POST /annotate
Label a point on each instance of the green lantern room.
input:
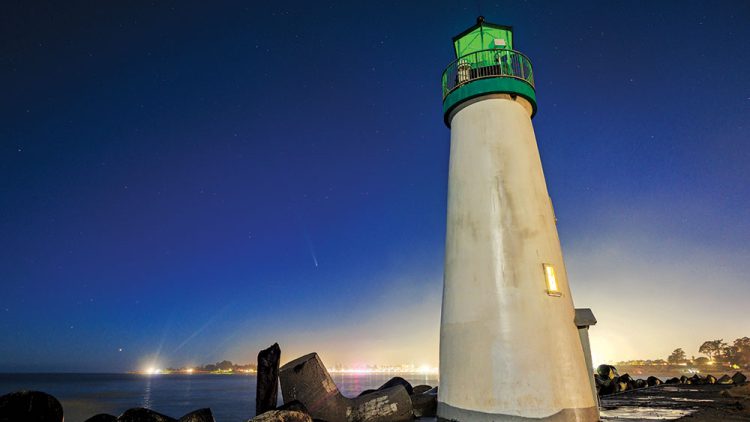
(486, 63)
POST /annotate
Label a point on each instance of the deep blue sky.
(191, 182)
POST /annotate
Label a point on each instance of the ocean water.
(230, 397)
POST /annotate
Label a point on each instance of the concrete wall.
(506, 346)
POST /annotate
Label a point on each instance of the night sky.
(185, 182)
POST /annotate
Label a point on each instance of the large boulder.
(398, 381)
(141, 414)
(627, 383)
(419, 389)
(294, 405)
(710, 379)
(606, 372)
(200, 415)
(652, 381)
(30, 406)
(724, 379)
(607, 386)
(739, 378)
(282, 416)
(424, 405)
(672, 380)
(306, 379)
(267, 389)
(102, 417)
(607, 380)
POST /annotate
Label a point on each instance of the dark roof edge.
(483, 23)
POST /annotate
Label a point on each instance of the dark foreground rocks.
(306, 380)
(200, 415)
(140, 414)
(30, 406)
(36, 406)
(609, 382)
(102, 417)
(282, 416)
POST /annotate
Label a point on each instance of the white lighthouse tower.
(509, 346)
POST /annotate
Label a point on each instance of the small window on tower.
(499, 42)
(549, 276)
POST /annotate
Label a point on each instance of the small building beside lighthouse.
(509, 345)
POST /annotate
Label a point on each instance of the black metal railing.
(491, 63)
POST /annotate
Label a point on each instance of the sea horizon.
(230, 397)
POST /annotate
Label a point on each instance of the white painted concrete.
(506, 346)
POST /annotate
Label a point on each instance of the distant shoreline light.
(368, 369)
(403, 369)
(191, 371)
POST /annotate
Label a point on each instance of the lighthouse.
(509, 344)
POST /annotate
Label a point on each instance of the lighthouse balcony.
(481, 72)
(491, 63)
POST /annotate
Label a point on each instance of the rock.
(368, 391)
(200, 415)
(419, 389)
(684, 380)
(672, 380)
(30, 406)
(607, 380)
(305, 379)
(433, 390)
(725, 379)
(710, 379)
(294, 405)
(640, 383)
(267, 390)
(603, 387)
(739, 378)
(424, 405)
(102, 417)
(696, 380)
(652, 381)
(627, 382)
(607, 386)
(282, 416)
(606, 371)
(140, 414)
(398, 381)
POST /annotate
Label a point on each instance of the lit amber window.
(553, 289)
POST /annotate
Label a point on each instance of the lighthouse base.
(447, 413)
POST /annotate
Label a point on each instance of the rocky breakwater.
(309, 393)
(37, 406)
(609, 381)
